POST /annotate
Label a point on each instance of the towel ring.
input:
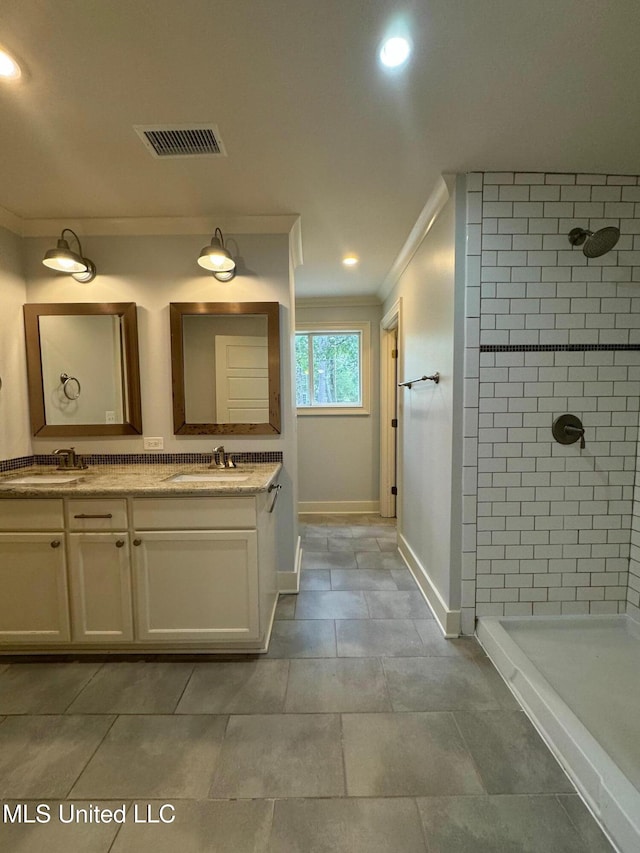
(68, 392)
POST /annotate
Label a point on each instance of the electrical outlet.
(153, 443)
(110, 417)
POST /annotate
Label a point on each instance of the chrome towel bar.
(435, 378)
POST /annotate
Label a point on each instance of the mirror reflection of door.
(242, 379)
(226, 368)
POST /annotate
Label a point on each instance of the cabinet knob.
(55, 543)
(120, 543)
(137, 542)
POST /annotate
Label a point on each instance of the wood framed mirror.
(225, 363)
(83, 368)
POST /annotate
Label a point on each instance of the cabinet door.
(100, 580)
(196, 585)
(33, 588)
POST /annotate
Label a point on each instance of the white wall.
(14, 413)
(154, 271)
(429, 476)
(339, 455)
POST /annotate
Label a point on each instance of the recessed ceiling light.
(9, 68)
(350, 260)
(395, 52)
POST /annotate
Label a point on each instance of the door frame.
(390, 439)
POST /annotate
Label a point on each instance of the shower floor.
(579, 680)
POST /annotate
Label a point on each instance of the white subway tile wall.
(548, 527)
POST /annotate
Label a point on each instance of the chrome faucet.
(69, 460)
(220, 459)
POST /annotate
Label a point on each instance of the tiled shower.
(548, 528)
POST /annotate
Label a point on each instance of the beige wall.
(339, 455)
(428, 481)
(14, 414)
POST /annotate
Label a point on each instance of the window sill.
(333, 410)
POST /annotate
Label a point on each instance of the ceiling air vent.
(185, 140)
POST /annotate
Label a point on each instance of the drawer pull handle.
(87, 515)
(120, 543)
(55, 543)
(137, 542)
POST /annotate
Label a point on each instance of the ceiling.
(312, 125)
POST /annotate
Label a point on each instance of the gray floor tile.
(286, 606)
(346, 826)
(380, 560)
(510, 755)
(522, 824)
(593, 837)
(139, 687)
(328, 560)
(42, 688)
(154, 756)
(315, 579)
(238, 687)
(439, 684)
(311, 531)
(388, 544)
(374, 531)
(401, 604)
(213, 826)
(406, 755)
(57, 836)
(313, 638)
(362, 579)
(338, 684)
(359, 544)
(289, 755)
(436, 645)
(314, 543)
(378, 638)
(403, 579)
(41, 757)
(314, 604)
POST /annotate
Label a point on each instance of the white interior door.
(242, 379)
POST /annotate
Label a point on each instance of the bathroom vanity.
(138, 558)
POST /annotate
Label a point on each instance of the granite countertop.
(145, 480)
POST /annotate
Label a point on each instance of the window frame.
(363, 328)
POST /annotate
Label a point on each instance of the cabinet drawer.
(100, 514)
(194, 513)
(28, 514)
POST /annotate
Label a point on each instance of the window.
(332, 368)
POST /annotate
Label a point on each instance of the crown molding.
(10, 221)
(337, 301)
(436, 201)
(138, 226)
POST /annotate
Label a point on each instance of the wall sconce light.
(216, 259)
(62, 259)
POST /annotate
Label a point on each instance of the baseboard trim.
(448, 620)
(290, 581)
(342, 507)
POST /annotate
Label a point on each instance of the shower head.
(595, 243)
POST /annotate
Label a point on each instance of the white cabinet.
(207, 576)
(100, 586)
(33, 589)
(197, 585)
(161, 573)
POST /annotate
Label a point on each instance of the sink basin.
(42, 479)
(213, 477)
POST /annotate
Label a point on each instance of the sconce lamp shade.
(216, 259)
(63, 259)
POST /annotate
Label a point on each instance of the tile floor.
(361, 731)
